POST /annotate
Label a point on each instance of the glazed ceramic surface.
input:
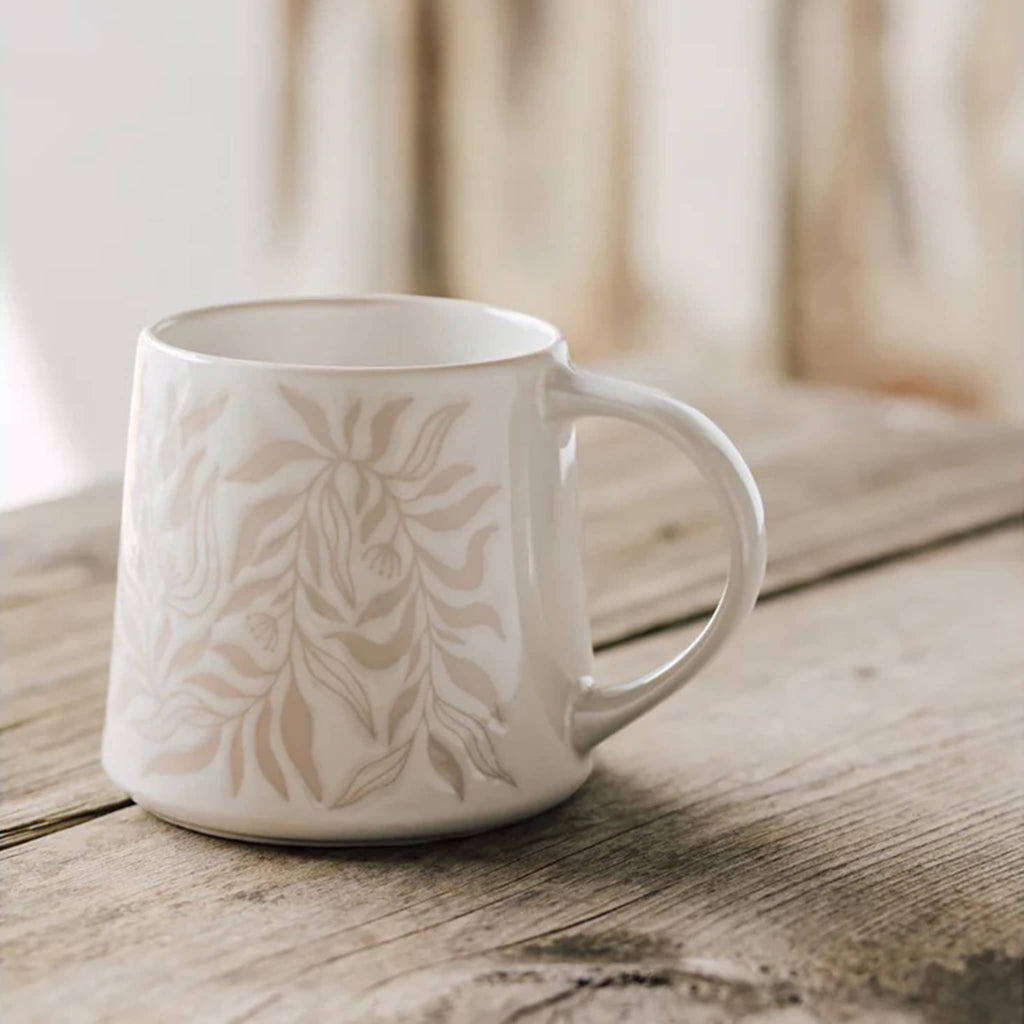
(350, 603)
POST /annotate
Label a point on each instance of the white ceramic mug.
(350, 602)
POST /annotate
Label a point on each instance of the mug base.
(406, 837)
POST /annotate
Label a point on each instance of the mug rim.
(151, 333)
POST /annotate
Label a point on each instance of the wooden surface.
(825, 826)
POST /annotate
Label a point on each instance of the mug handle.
(600, 711)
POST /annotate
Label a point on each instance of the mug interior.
(378, 331)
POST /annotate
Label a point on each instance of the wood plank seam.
(772, 593)
(38, 828)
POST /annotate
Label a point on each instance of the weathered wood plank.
(847, 480)
(826, 824)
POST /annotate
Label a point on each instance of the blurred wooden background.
(830, 189)
(545, 154)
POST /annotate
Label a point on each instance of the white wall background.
(132, 182)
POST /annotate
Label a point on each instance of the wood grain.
(847, 480)
(826, 826)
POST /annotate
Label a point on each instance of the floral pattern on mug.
(354, 571)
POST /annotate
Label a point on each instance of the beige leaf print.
(244, 596)
(185, 762)
(312, 415)
(335, 675)
(237, 759)
(386, 602)
(455, 516)
(202, 418)
(471, 678)
(378, 774)
(271, 458)
(384, 501)
(348, 426)
(270, 549)
(470, 574)
(370, 653)
(424, 454)
(474, 739)
(256, 521)
(318, 602)
(240, 660)
(214, 685)
(189, 653)
(265, 756)
(404, 703)
(468, 615)
(297, 736)
(443, 481)
(383, 424)
(445, 765)
(182, 505)
(373, 518)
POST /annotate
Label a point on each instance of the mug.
(350, 602)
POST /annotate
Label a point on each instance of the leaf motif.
(339, 542)
(182, 505)
(466, 616)
(474, 738)
(237, 760)
(244, 596)
(241, 661)
(386, 601)
(440, 482)
(311, 549)
(312, 415)
(427, 448)
(334, 674)
(403, 704)
(162, 640)
(362, 491)
(183, 762)
(318, 603)
(445, 765)
(265, 756)
(214, 685)
(377, 774)
(373, 518)
(168, 456)
(455, 516)
(414, 658)
(470, 574)
(127, 684)
(383, 424)
(181, 708)
(200, 418)
(446, 634)
(259, 517)
(371, 654)
(272, 457)
(348, 426)
(469, 677)
(188, 654)
(270, 549)
(297, 737)
(203, 717)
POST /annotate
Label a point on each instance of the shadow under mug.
(350, 600)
